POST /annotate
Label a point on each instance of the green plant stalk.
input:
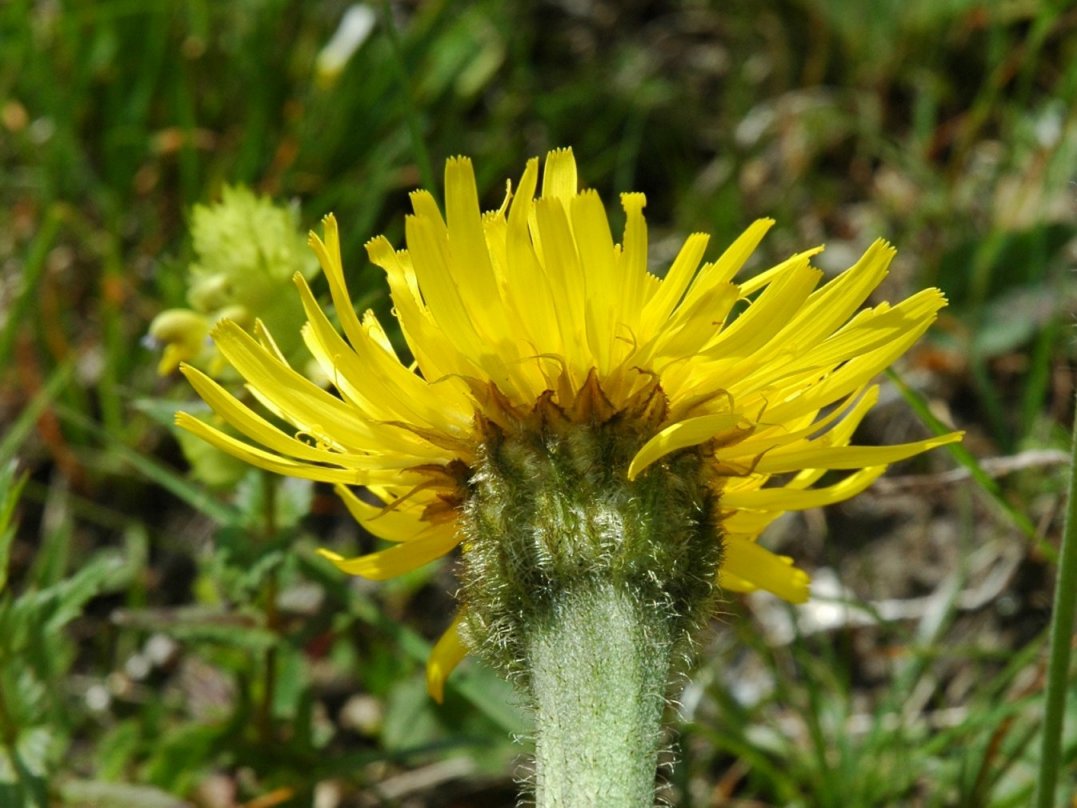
(269, 689)
(598, 679)
(272, 618)
(1061, 637)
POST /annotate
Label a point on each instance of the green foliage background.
(162, 644)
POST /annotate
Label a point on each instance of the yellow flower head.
(535, 308)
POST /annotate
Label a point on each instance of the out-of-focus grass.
(221, 662)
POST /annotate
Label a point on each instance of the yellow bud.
(237, 314)
(182, 333)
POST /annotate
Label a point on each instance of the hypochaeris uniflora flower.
(570, 415)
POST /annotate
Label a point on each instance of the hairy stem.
(598, 669)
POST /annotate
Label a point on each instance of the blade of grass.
(167, 478)
(24, 423)
(984, 480)
(1061, 637)
(988, 396)
(1001, 763)
(11, 486)
(31, 274)
(1038, 383)
(1044, 23)
(411, 113)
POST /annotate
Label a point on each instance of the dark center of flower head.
(549, 511)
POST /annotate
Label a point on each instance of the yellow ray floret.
(765, 378)
(446, 655)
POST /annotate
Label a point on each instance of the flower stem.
(599, 667)
(1061, 636)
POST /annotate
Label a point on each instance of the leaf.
(34, 746)
(18, 785)
(41, 614)
(22, 769)
(1015, 317)
(26, 698)
(410, 720)
(199, 624)
(117, 795)
(117, 748)
(180, 755)
(292, 681)
(106, 572)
